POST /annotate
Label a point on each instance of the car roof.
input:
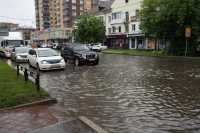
(22, 48)
(74, 45)
(40, 49)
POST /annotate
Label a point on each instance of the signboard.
(188, 32)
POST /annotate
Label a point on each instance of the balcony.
(117, 21)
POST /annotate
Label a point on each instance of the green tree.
(167, 19)
(90, 29)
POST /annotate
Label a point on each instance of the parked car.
(80, 54)
(20, 54)
(6, 52)
(98, 47)
(45, 59)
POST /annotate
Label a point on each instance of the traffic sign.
(188, 32)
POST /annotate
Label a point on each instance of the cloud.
(18, 11)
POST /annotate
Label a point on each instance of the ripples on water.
(132, 94)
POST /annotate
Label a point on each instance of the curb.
(41, 102)
(92, 125)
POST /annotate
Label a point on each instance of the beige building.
(58, 17)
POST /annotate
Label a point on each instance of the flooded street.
(126, 94)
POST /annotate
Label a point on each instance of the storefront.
(117, 41)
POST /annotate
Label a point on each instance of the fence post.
(37, 81)
(26, 74)
(17, 70)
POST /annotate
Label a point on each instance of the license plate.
(55, 66)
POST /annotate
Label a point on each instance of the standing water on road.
(127, 94)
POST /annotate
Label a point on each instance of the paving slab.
(74, 126)
(27, 119)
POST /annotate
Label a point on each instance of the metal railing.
(29, 73)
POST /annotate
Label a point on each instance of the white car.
(45, 59)
(99, 47)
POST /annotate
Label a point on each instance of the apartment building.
(60, 13)
(42, 14)
(57, 17)
(122, 23)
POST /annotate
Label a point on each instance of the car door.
(30, 54)
(13, 54)
(67, 53)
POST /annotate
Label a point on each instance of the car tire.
(96, 62)
(76, 62)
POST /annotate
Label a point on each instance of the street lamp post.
(188, 33)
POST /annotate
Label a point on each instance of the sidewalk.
(28, 119)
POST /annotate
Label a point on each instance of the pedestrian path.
(75, 126)
(43, 119)
(27, 119)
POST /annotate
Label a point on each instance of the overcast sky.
(18, 11)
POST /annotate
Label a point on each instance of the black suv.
(79, 53)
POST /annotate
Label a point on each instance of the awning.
(136, 35)
(117, 36)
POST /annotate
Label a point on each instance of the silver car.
(20, 54)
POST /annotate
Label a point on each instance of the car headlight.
(18, 57)
(62, 61)
(44, 62)
(84, 56)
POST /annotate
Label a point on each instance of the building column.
(146, 43)
(136, 41)
(130, 43)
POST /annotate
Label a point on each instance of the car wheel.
(77, 62)
(96, 62)
(66, 61)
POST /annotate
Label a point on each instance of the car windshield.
(81, 48)
(47, 53)
(21, 50)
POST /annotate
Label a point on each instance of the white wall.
(122, 7)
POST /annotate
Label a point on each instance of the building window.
(133, 27)
(109, 30)
(120, 29)
(116, 15)
(113, 29)
(127, 16)
(137, 13)
(109, 18)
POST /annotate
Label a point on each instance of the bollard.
(26, 74)
(37, 81)
(17, 70)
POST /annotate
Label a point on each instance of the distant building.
(122, 23)
(26, 33)
(57, 13)
(42, 14)
(9, 26)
